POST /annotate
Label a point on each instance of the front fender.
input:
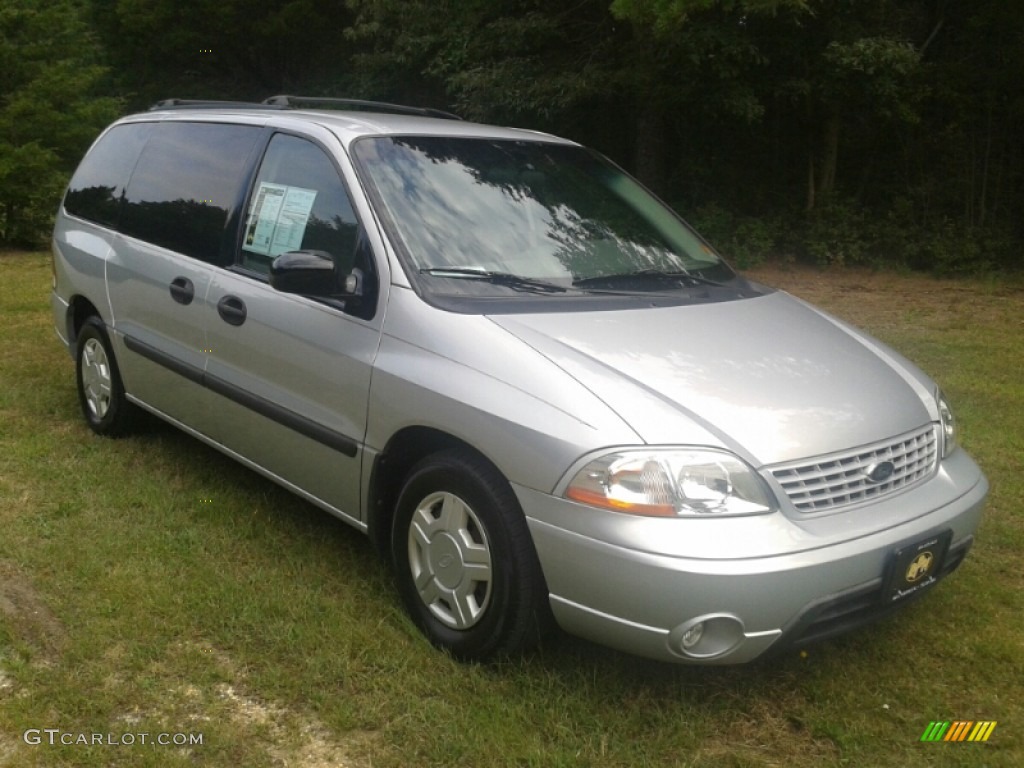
(465, 376)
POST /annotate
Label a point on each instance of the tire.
(466, 567)
(100, 392)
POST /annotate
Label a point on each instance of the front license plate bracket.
(916, 567)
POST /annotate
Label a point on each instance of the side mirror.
(312, 273)
(306, 272)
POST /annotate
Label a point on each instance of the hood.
(770, 378)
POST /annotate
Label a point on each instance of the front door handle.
(231, 310)
(182, 290)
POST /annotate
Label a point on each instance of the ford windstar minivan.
(534, 386)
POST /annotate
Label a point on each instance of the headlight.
(671, 483)
(948, 422)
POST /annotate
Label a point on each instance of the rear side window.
(187, 181)
(96, 189)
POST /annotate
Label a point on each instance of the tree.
(222, 49)
(975, 69)
(616, 82)
(491, 59)
(894, 122)
(668, 16)
(561, 65)
(50, 110)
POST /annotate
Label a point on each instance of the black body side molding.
(260, 405)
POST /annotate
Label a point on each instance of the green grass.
(150, 585)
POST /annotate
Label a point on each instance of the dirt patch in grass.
(289, 737)
(291, 740)
(32, 629)
(28, 620)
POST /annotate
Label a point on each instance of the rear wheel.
(466, 566)
(100, 392)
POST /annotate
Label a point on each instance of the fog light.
(692, 636)
(707, 637)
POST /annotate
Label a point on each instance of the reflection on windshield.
(537, 210)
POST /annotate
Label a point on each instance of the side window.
(298, 203)
(188, 179)
(97, 188)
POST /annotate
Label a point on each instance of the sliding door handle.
(231, 310)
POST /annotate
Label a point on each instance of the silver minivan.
(534, 386)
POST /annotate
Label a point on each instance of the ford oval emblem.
(880, 472)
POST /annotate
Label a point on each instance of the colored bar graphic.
(958, 730)
(982, 731)
(935, 730)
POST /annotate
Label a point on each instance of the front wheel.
(100, 392)
(466, 566)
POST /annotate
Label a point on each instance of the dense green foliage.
(849, 131)
(49, 109)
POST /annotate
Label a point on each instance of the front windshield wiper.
(657, 274)
(507, 279)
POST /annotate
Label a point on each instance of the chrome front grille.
(842, 479)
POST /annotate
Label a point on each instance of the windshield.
(541, 211)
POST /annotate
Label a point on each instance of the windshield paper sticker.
(278, 218)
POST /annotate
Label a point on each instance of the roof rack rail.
(285, 102)
(296, 102)
(212, 104)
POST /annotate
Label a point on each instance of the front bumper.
(611, 584)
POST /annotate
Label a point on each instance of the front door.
(293, 373)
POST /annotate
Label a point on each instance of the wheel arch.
(515, 614)
(80, 309)
(403, 450)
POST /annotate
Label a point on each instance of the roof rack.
(296, 102)
(211, 104)
(285, 102)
